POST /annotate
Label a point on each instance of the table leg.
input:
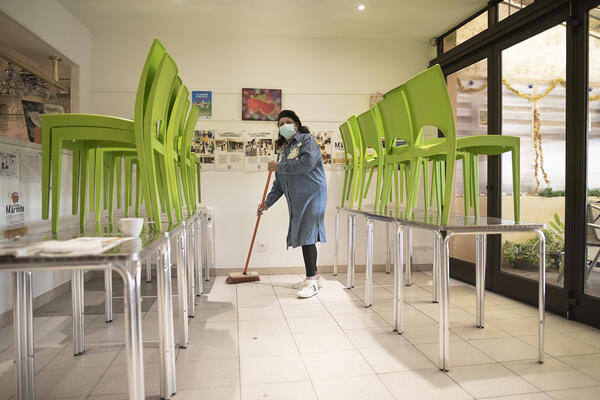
(108, 294)
(182, 309)
(148, 270)
(335, 243)
(133, 329)
(398, 275)
(351, 252)
(206, 248)
(198, 256)
(78, 306)
(541, 295)
(444, 304)
(387, 248)
(170, 318)
(23, 335)
(408, 256)
(165, 339)
(435, 271)
(191, 279)
(369, 265)
(480, 241)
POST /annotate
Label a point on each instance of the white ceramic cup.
(131, 226)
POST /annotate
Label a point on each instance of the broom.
(245, 276)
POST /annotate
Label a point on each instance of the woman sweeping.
(299, 175)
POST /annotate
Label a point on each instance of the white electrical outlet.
(261, 247)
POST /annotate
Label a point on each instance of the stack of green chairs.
(424, 101)
(101, 143)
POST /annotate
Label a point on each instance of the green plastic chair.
(77, 129)
(418, 104)
(351, 165)
(197, 176)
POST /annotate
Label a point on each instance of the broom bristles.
(240, 277)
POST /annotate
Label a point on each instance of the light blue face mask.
(287, 130)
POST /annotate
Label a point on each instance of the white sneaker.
(303, 283)
(309, 290)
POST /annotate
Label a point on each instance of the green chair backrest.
(370, 132)
(155, 119)
(188, 132)
(350, 149)
(395, 120)
(173, 96)
(153, 59)
(358, 139)
(429, 103)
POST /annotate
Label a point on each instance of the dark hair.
(294, 117)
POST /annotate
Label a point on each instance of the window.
(509, 7)
(466, 32)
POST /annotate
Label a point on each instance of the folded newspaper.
(63, 248)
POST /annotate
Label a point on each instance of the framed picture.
(203, 99)
(260, 104)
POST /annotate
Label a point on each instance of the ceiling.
(394, 19)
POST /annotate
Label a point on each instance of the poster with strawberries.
(260, 104)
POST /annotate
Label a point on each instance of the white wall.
(59, 29)
(325, 80)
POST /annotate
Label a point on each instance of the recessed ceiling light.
(361, 7)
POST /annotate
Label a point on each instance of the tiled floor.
(257, 341)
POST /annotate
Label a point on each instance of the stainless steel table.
(125, 259)
(443, 233)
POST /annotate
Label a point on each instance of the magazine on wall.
(229, 151)
(203, 146)
(259, 150)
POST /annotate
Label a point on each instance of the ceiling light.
(361, 7)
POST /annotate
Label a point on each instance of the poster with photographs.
(259, 150)
(323, 139)
(204, 147)
(229, 151)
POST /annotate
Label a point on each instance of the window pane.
(465, 32)
(533, 108)
(509, 7)
(468, 93)
(591, 269)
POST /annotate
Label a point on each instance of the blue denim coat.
(301, 178)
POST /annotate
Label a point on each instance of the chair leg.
(99, 183)
(365, 192)
(92, 175)
(346, 174)
(111, 187)
(448, 184)
(516, 167)
(413, 185)
(128, 176)
(84, 176)
(396, 189)
(475, 184)
(105, 176)
(351, 178)
(118, 171)
(46, 169)
(364, 188)
(75, 182)
(57, 147)
(139, 195)
(426, 184)
(467, 183)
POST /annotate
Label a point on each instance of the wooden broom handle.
(264, 196)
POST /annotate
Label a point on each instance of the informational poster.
(337, 155)
(323, 139)
(14, 212)
(204, 146)
(259, 150)
(9, 167)
(31, 166)
(229, 151)
(203, 99)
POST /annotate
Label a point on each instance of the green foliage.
(527, 253)
(561, 193)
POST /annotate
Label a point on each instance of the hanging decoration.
(537, 122)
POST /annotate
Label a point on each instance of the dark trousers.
(309, 252)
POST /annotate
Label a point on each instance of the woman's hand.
(261, 208)
(272, 166)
